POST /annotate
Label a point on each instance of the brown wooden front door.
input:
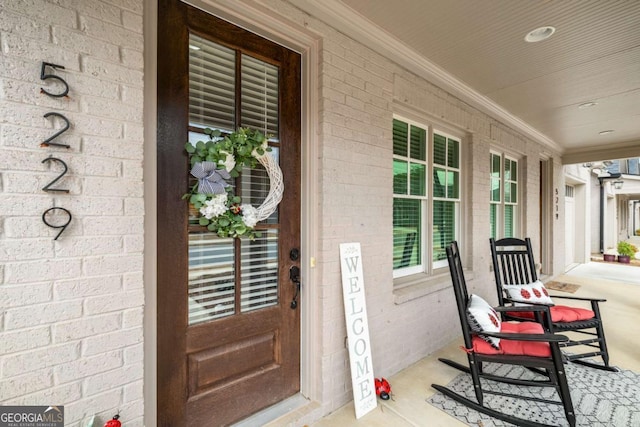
(228, 339)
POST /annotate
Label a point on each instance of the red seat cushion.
(559, 314)
(519, 348)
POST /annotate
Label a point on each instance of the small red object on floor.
(113, 422)
(383, 388)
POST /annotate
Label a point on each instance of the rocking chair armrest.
(579, 298)
(522, 308)
(544, 316)
(550, 338)
(529, 303)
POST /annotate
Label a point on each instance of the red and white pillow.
(483, 318)
(532, 292)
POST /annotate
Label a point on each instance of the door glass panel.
(211, 277)
(259, 81)
(259, 271)
(212, 76)
(214, 282)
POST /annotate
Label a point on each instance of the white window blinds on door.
(259, 96)
(259, 264)
(212, 77)
(211, 277)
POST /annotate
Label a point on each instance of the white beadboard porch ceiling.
(477, 48)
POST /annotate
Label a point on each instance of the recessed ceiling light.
(587, 105)
(606, 132)
(539, 34)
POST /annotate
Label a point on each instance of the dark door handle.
(294, 276)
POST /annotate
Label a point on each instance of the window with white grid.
(426, 202)
(503, 198)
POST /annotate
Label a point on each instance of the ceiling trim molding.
(592, 153)
(347, 21)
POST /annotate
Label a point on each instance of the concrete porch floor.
(412, 386)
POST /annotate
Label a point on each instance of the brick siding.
(72, 309)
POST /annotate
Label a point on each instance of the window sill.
(417, 286)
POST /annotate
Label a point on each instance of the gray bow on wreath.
(211, 180)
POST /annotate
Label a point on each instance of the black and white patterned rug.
(600, 398)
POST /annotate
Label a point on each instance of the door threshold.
(571, 266)
(274, 412)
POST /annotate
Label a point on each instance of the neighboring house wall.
(628, 194)
(583, 200)
(618, 217)
(618, 212)
(71, 309)
(80, 298)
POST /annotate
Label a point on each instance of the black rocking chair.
(513, 264)
(550, 363)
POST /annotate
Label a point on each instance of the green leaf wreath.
(215, 161)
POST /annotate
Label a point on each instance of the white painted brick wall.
(357, 91)
(71, 310)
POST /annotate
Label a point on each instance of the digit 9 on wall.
(55, 213)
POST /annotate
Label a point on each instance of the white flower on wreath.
(214, 207)
(264, 146)
(229, 161)
(249, 215)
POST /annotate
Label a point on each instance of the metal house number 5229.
(56, 214)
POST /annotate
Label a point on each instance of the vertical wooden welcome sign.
(364, 396)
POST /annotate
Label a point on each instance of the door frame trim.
(546, 215)
(265, 23)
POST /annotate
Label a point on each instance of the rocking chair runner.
(513, 264)
(529, 337)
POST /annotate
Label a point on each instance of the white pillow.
(532, 292)
(483, 318)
